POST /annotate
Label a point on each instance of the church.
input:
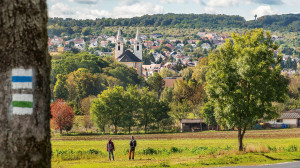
(128, 58)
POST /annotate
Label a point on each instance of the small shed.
(187, 125)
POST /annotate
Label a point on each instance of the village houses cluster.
(153, 42)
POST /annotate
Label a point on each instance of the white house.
(205, 46)
(291, 118)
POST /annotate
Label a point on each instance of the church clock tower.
(138, 46)
(119, 45)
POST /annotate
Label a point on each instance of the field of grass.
(204, 149)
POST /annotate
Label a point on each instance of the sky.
(92, 9)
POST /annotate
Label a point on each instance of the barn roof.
(290, 115)
(191, 121)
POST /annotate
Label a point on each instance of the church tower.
(119, 45)
(138, 46)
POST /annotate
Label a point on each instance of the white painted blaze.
(21, 72)
(23, 97)
(22, 111)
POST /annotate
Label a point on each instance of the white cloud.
(210, 10)
(222, 3)
(61, 10)
(264, 10)
(138, 9)
(173, 1)
(199, 2)
(123, 11)
(88, 2)
(128, 2)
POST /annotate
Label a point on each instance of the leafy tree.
(186, 73)
(126, 75)
(86, 31)
(109, 107)
(156, 83)
(62, 115)
(151, 109)
(165, 72)
(131, 109)
(199, 72)
(60, 91)
(85, 104)
(167, 95)
(244, 79)
(81, 84)
(207, 112)
(180, 109)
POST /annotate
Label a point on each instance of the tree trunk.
(116, 129)
(129, 129)
(60, 131)
(241, 133)
(25, 131)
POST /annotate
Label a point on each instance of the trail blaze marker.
(22, 80)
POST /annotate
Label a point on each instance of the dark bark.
(241, 133)
(116, 129)
(24, 139)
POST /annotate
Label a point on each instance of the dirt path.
(277, 133)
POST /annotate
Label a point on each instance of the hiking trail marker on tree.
(22, 89)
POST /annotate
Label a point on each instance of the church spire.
(119, 35)
(137, 37)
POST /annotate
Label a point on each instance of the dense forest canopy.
(68, 26)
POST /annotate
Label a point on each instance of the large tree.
(24, 138)
(244, 79)
(109, 107)
(62, 115)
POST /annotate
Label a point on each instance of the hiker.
(132, 145)
(110, 149)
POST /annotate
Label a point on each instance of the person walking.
(132, 145)
(110, 149)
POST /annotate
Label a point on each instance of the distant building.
(188, 125)
(291, 118)
(170, 81)
(205, 46)
(128, 58)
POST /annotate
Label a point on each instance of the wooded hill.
(285, 22)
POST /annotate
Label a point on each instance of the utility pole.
(24, 85)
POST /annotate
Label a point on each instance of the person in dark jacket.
(132, 145)
(110, 149)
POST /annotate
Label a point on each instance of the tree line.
(284, 22)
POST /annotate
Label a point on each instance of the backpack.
(110, 146)
(133, 143)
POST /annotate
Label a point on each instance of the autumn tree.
(85, 105)
(244, 79)
(62, 115)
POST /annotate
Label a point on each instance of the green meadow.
(177, 150)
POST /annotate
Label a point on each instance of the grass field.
(204, 149)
